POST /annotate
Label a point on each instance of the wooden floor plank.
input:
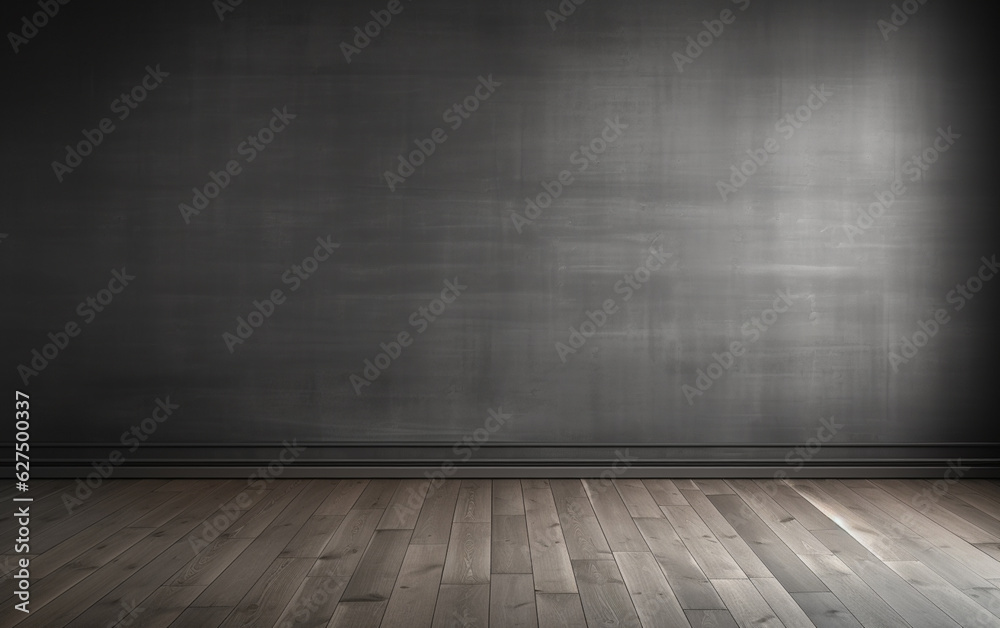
(358, 615)
(781, 522)
(47, 532)
(825, 610)
(518, 553)
(929, 504)
(580, 527)
(982, 519)
(203, 617)
(942, 559)
(507, 498)
(615, 520)
(376, 573)
(512, 601)
(462, 605)
(797, 506)
(403, 509)
(208, 563)
(654, 600)
(265, 548)
(686, 579)
(468, 558)
(782, 603)
(714, 487)
(142, 558)
(713, 618)
(637, 499)
(883, 542)
(57, 556)
(917, 610)
(312, 537)
(47, 589)
(377, 494)
(436, 513)
(784, 564)
(955, 603)
(256, 519)
(411, 604)
(550, 560)
(730, 539)
(475, 502)
(606, 601)
(988, 599)
(922, 526)
(509, 546)
(313, 603)
(343, 551)
(560, 609)
(710, 554)
(664, 492)
(859, 599)
(267, 598)
(341, 499)
(746, 604)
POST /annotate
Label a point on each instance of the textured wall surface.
(614, 194)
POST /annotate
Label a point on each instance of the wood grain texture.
(550, 566)
(512, 601)
(560, 609)
(606, 600)
(616, 522)
(692, 587)
(746, 604)
(509, 545)
(654, 600)
(411, 604)
(550, 560)
(468, 558)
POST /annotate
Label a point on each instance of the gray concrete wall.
(652, 236)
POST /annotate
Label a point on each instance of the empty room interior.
(521, 313)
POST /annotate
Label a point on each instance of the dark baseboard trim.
(928, 471)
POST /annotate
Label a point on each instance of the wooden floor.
(479, 553)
